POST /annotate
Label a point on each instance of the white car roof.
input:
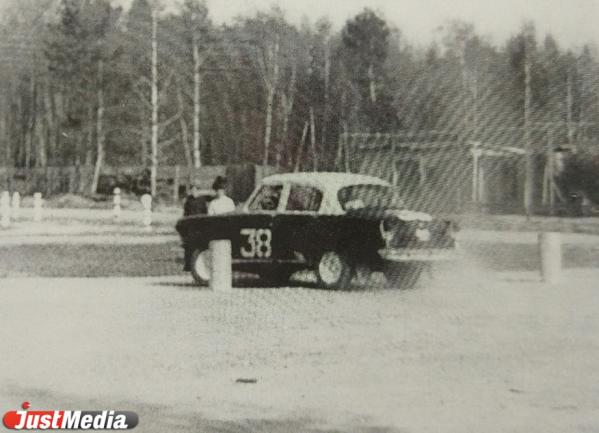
(326, 180)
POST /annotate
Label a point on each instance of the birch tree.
(268, 63)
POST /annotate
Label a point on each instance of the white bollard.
(5, 209)
(221, 275)
(551, 257)
(16, 205)
(146, 201)
(116, 201)
(37, 207)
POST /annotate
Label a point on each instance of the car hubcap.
(330, 268)
(202, 265)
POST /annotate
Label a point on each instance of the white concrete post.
(5, 209)
(37, 206)
(221, 275)
(551, 257)
(16, 205)
(116, 201)
(146, 201)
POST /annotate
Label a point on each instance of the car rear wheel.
(402, 275)
(334, 271)
(200, 266)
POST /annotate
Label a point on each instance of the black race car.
(335, 224)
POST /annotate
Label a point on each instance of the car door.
(293, 226)
(255, 241)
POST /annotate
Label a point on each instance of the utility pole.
(154, 167)
(529, 161)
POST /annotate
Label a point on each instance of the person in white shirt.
(221, 203)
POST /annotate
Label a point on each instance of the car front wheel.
(200, 266)
(334, 271)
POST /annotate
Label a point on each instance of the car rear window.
(268, 198)
(304, 198)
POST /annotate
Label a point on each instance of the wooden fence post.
(5, 209)
(37, 207)
(146, 201)
(551, 257)
(221, 275)
(116, 211)
(16, 205)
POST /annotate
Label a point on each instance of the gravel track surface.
(479, 346)
(468, 351)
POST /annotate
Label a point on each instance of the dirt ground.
(479, 346)
(470, 350)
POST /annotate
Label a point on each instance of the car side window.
(268, 198)
(304, 198)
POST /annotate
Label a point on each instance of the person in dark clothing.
(195, 203)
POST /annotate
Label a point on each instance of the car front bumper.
(420, 254)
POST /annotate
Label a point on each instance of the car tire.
(402, 275)
(334, 271)
(200, 266)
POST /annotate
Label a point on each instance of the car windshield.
(365, 196)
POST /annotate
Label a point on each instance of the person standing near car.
(195, 203)
(221, 204)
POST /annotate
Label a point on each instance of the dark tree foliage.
(366, 77)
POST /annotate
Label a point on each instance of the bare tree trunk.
(59, 101)
(41, 135)
(99, 129)
(313, 140)
(90, 136)
(184, 132)
(300, 149)
(144, 137)
(529, 162)
(230, 137)
(9, 157)
(43, 130)
(569, 103)
(287, 105)
(242, 143)
(340, 147)
(197, 82)
(270, 74)
(19, 118)
(4, 137)
(268, 129)
(327, 79)
(285, 131)
(50, 123)
(31, 124)
(154, 166)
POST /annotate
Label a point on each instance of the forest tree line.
(83, 82)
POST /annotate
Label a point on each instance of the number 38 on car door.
(256, 243)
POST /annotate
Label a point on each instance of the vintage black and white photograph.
(278, 216)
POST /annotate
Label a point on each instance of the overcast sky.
(572, 22)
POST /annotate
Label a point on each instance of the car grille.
(419, 234)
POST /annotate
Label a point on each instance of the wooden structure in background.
(448, 172)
